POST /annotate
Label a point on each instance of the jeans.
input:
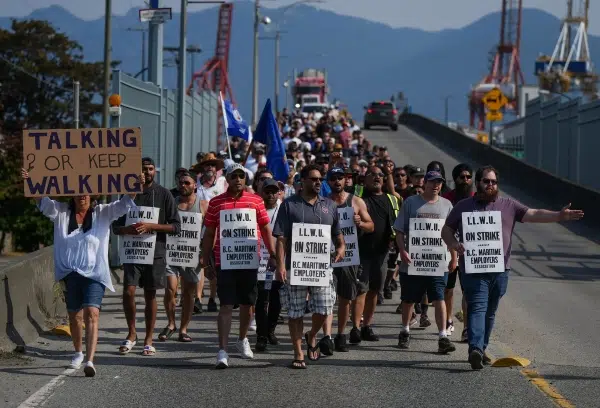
(266, 315)
(483, 292)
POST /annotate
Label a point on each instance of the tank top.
(195, 207)
(347, 203)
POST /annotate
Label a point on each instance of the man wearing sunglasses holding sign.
(306, 225)
(485, 224)
(235, 221)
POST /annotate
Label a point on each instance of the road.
(544, 317)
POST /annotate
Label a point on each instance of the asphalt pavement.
(547, 316)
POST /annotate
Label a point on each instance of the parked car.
(382, 113)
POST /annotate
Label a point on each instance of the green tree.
(38, 65)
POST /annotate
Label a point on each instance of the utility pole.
(181, 85)
(277, 85)
(255, 65)
(107, 48)
(143, 30)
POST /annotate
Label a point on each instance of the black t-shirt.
(381, 211)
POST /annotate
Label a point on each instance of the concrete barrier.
(28, 300)
(554, 191)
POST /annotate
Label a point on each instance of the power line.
(23, 70)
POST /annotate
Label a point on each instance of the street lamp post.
(143, 30)
(107, 48)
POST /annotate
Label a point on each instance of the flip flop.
(126, 346)
(311, 350)
(298, 365)
(148, 351)
(166, 333)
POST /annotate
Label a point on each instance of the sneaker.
(404, 340)
(222, 359)
(413, 321)
(198, 306)
(464, 337)
(486, 359)
(355, 336)
(367, 334)
(425, 322)
(273, 340)
(445, 345)
(212, 306)
(387, 293)
(341, 343)
(326, 346)
(379, 299)
(449, 327)
(394, 285)
(261, 344)
(252, 326)
(89, 369)
(476, 359)
(236, 306)
(399, 309)
(243, 347)
(76, 361)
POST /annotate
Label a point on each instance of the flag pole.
(226, 124)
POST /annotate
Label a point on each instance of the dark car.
(382, 113)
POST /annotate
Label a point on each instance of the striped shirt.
(226, 202)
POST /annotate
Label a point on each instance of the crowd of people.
(348, 227)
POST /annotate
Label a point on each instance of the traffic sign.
(494, 100)
(494, 116)
(156, 15)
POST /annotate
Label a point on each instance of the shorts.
(452, 279)
(189, 275)
(320, 301)
(82, 292)
(347, 284)
(148, 277)
(237, 286)
(415, 286)
(373, 271)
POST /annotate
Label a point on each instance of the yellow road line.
(545, 387)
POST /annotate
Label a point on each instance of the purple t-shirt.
(511, 210)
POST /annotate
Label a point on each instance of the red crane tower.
(505, 72)
(213, 75)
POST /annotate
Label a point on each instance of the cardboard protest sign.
(348, 228)
(183, 249)
(482, 239)
(139, 249)
(311, 255)
(70, 162)
(426, 248)
(239, 239)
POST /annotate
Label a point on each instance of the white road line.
(43, 394)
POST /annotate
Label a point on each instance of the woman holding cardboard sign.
(81, 233)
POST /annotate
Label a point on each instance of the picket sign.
(311, 255)
(426, 248)
(139, 249)
(482, 239)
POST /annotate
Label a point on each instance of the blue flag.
(267, 133)
(235, 124)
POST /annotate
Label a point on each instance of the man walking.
(305, 226)
(485, 224)
(423, 272)
(238, 220)
(158, 206)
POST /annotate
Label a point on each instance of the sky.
(396, 13)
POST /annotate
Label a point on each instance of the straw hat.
(211, 159)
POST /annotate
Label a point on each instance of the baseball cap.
(363, 163)
(148, 161)
(270, 183)
(336, 171)
(234, 167)
(434, 175)
(418, 171)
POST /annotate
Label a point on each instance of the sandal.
(166, 333)
(184, 338)
(312, 350)
(298, 365)
(126, 346)
(148, 351)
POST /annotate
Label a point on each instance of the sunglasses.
(489, 181)
(264, 178)
(465, 177)
(316, 179)
(235, 176)
(376, 174)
